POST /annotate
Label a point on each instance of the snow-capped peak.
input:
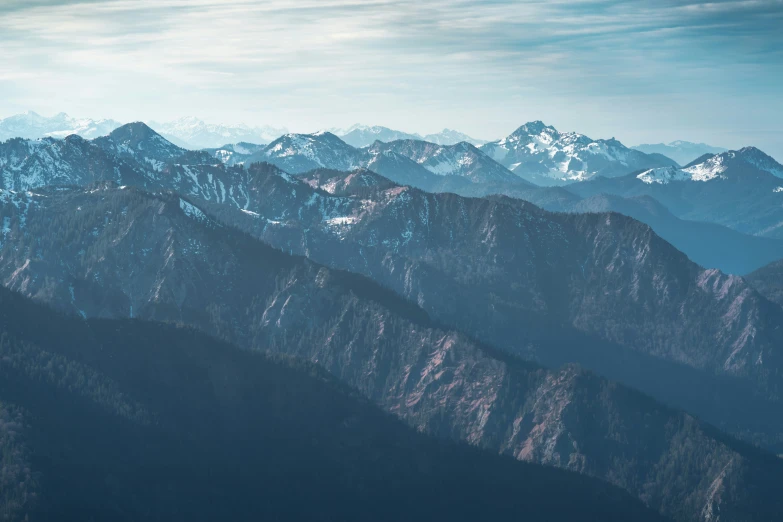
(759, 159)
(663, 175)
(714, 167)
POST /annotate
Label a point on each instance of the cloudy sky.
(643, 71)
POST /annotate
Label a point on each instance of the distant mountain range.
(363, 136)
(33, 126)
(425, 303)
(541, 154)
(683, 152)
(193, 133)
(461, 169)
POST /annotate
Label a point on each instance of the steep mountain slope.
(34, 126)
(683, 152)
(139, 142)
(768, 281)
(468, 248)
(157, 422)
(740, 189)
(708, 244)
(26, 164)
(540, 154)
(193, 133)
(471, 253)
(114, 252)
(462, 159)
(420, 244)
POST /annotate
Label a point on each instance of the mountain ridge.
(542, 155)
(199, 272)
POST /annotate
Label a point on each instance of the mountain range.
(33, 126)
(193, 133)
(466, 170)
(107, 251)
(158, 422)
(542, 155)
(411, 162)
(441, 298)
(360, 136)
(742, 190)
(683, 152)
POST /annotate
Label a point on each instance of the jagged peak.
(534, 128)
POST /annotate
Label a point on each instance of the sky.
(641, 71)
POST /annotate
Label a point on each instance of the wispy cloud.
(639, 66)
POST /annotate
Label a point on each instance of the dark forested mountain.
(475, 247)
(540, 154)
(139, 142)
(768, 281)
(683, 152)
(107, 251)
(599, 289)
(425, 229)
(127, 420)
(740, 189)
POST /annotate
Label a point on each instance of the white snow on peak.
(759, 160)
(663, 175)
(711, 169)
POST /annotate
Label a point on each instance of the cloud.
(480, 65)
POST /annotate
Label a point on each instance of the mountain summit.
(138, 141)
(541, 154)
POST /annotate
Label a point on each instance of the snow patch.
(192, 211)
